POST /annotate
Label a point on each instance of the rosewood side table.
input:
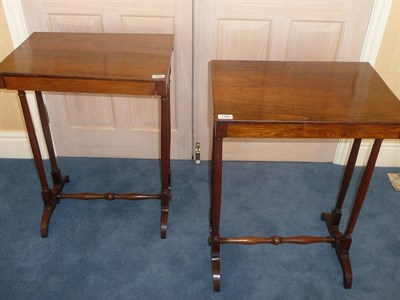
(257, 99)
(130, 64)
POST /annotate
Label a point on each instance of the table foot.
(216, 271)
(165, 198)
(164, 221)
(341, 245)
(215, 245)
(58, 188)
(44, 224)
(51, 199)
(344, 260)
(58, 179)
(65, 178)
(327, 218)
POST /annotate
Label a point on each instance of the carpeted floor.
(112, 250)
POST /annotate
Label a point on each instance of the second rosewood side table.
(129, 64)
(258, 99)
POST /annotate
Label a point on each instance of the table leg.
(363, 188)
(336, 213)
(343, 241)
(165, 160)
(47, 194)
(58, 179)
(333, 219)
(215, 212)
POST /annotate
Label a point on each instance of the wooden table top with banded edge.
(304, 100)
(89, 62)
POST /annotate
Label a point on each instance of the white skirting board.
(389, 155)
(15, 144)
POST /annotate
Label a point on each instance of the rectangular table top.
(303, 99)
(80, 57)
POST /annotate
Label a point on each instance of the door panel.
(90, 111)
(243, 39)
(118, 125)
(75, 23)
(134, 24)
(315, 40)
(320, 30)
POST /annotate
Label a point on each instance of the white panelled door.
(119, 126)
(316, 30)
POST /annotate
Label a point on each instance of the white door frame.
(16, 23)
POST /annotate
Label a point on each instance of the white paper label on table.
(225, 117)
(158, 76)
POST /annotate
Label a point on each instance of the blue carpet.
(112, 250)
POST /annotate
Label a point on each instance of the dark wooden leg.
(363, 188)
(58, 179)
(165, 161)
(214, 239)
(47, 194)
(336, 214)
(343, 241)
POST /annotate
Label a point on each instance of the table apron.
(80, 85)
(354, 131)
